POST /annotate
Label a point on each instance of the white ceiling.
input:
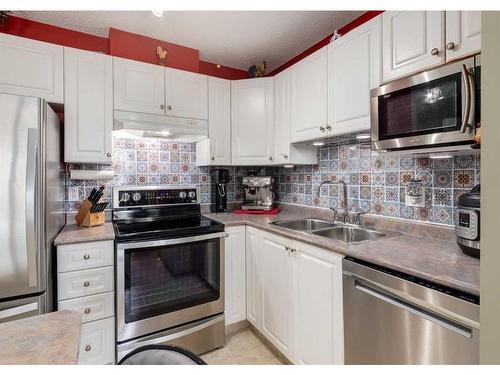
(233, 38)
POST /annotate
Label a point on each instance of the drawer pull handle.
(88, 348)
(86, 284)
(87, 311)
(86, 257)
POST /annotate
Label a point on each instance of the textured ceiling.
(233, 38)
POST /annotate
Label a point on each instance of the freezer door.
(20, 221)
(21, 308)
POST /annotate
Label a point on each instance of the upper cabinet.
(412, 41)
(284, 151)
(138, 87)
(31, 68)
(88, 110)
(252, 121)
(308, 97)
(186, 94)
(216, 150)
(354, 65)
(463, 33)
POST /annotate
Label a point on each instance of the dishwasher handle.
(413, 309)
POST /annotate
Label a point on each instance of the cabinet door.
(235, 283)
(412, 41)
(219, 120)
(88, 110)
(252, 121)
(186, 94)
(31, 68)
(97, 343)
(281, 93)
(463, 33)
(275, 276)
(318, 320)
(252, 288)
(138, 87)
(353, 70)
(308, 97)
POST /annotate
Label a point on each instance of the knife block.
(85, 218)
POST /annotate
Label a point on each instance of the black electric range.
(145, 213)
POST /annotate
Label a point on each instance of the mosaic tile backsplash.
(376, 184)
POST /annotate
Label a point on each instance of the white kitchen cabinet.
(354, 68)
(97, 343)
(186, 94)
(31, 68)
(463, 33)
(216, 150)
(253, 244)
(318, 319)
(308, 97)
(138, 87)
(275, 276)
(88, 106)
(252, 121)
(284, 151)
(235, 277)
(411, 41)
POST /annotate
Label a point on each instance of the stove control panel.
(135, 196)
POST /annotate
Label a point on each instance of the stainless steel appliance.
(169, 269)
(394, 318)
(439, 107)
(31, 214)
(259, 193)
(467, 222)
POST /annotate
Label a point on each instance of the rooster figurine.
(257, 71)
(162, 54)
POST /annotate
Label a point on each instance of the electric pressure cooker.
(467, 222)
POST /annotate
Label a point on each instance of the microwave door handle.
(467, 105)
(471, 124)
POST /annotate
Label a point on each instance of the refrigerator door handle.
(18, 310)
(30, 206)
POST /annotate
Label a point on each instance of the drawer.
(99, 306)
(97, 343)
(85, 283)
(86, 255)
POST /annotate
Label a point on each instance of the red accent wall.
(226, 72)
(142, 48)
(53, 34)
(343, 30)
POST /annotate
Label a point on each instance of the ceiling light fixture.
(157, 13)
(363, 136)
(318, 143)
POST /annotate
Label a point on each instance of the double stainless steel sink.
(337, 231)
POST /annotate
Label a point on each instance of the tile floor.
(244, 347)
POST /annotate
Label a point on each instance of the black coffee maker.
(221, 179)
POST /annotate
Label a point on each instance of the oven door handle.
(468, 99)
(173, 241)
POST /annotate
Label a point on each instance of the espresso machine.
(258, 193)
(221, 178)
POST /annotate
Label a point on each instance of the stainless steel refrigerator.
(31, 204)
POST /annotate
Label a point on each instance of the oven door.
(166, 283)
(428, 109)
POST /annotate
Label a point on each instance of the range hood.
(133, 124)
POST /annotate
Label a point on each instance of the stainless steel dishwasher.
(394, 318)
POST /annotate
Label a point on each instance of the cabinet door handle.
(88, 348)
(162, 106)
(169, 107)
(434, 52)
(212, 158)
(87, 311)
(322, 128)
(86, 257)
(285, 156)
(450, 46)
(287, 248)
(108, 154)
(328, 127)
(270, 158)
(86, 284)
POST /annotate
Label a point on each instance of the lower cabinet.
(97, 342)
(234, 272)
(294, 297)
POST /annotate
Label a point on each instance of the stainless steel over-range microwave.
(439, 107)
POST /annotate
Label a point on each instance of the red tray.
(272, 212)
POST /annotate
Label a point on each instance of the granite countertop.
(433, 258)
(49, 339)
(73, 233)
